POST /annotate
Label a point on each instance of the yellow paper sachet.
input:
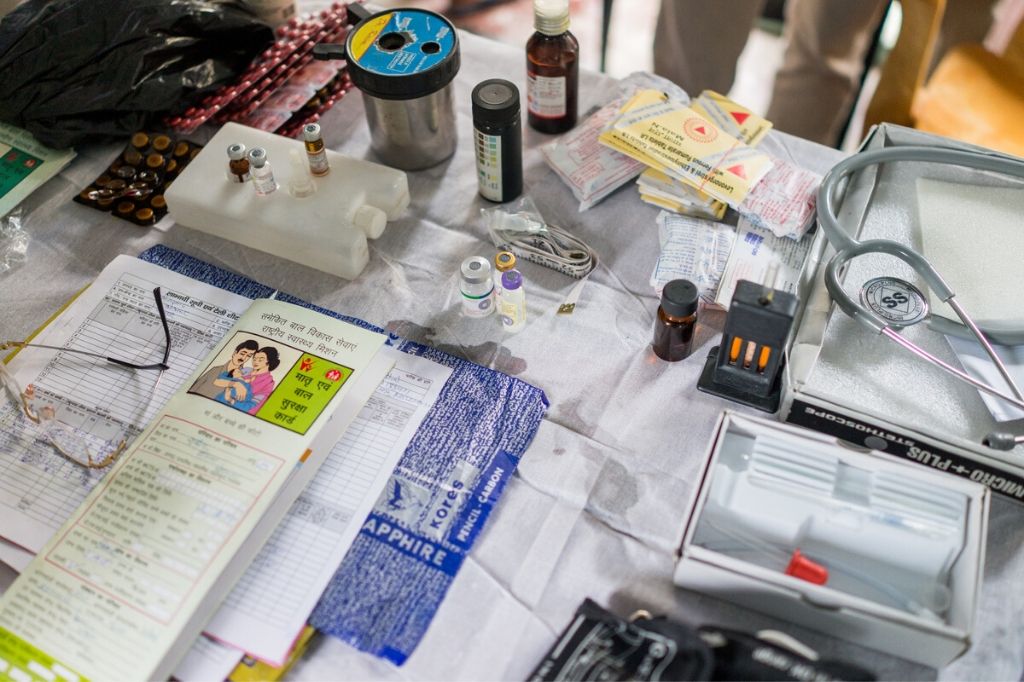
(676, 207)
(642, 99)
(656, 183)
(661, 202)
(636, 107)
(732, 118)
(689, 147)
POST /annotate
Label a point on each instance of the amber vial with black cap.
(552, 69)
(498, 140)
(677, 318)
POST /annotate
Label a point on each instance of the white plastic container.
(326, 231)
(858, 477)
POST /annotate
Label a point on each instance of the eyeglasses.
(63, 438)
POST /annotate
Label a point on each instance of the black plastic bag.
(73, 71)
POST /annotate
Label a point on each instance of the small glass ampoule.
(262, 174)
(315, 152)
(512, 301)
(238, 164)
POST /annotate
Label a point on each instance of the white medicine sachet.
(693, 249)
(783, 201)
(591, 170)
(757, 253)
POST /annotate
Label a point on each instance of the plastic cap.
(300, 185)
(504, 260)
(511, 280)
(551, 17)
(495, 101)
(476, 270)
(311, 132)
(370, 220)
(258, 157)
(236, 151)
(414, 62)
(679, 298)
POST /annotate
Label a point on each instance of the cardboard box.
(885, 398)
(857, 619)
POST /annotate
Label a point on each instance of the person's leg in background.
(826, 44)
(697, 42)
(965, 21)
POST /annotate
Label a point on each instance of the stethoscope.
(889, 304)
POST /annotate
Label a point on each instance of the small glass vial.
(503, 262)
(261, 172)
(677, 318)
(512, 302)
(315, 152)
(552, 69)
(477, 287)
(498, 140)
(238, 164)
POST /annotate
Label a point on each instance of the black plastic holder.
(747, 367)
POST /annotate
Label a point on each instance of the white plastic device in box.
(326, 230)
(864, 548)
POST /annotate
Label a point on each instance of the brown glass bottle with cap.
(238, 163)
(677, 318)
(552, 69)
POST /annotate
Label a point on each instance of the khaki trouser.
(697, 43)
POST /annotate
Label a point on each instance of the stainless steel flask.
(403, 61)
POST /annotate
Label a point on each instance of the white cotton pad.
(974, 237)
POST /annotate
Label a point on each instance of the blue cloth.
(409, 549)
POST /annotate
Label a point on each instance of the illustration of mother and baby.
(243, 387)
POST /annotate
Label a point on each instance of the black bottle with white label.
(498, 140)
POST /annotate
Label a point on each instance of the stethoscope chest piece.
(889, 303)
(898, 302)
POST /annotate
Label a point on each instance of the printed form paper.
(270, 604)
(381, 432)
(207, 661)
(117, 317)
(14, 556)
(111, 595)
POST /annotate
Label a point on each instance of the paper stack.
(689, 148)
(701, 160)
(591, 170)
(661, 189)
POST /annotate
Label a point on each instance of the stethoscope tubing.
(847, 248)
